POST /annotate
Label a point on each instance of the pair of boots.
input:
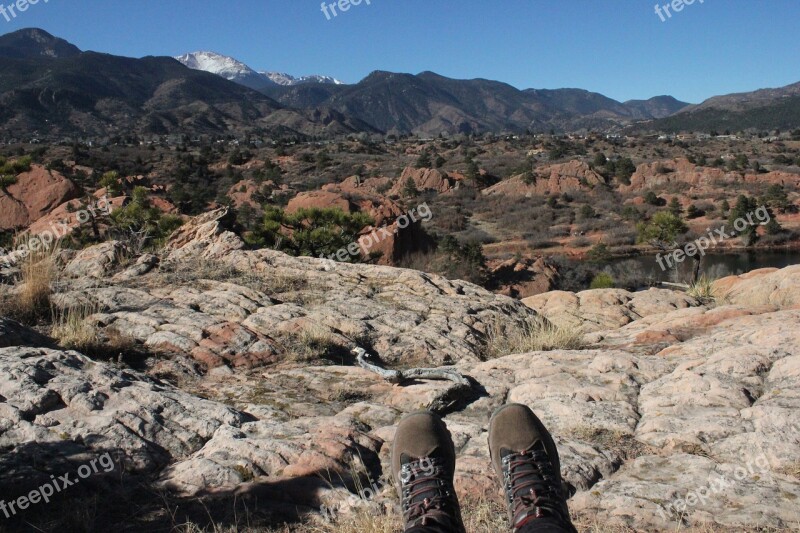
(524, 457)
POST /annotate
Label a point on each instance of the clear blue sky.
(620, 48)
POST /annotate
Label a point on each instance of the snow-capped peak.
(236, 71)
(227, 67)
(282, 78)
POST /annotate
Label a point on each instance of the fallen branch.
(398, 376)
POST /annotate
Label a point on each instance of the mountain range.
(430, 104)
(49, 87)
(234, 70)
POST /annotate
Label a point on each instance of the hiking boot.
(526, 462)
(423, 465)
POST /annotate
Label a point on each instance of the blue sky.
(620, 48)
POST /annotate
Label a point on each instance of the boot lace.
(427, 496)
(532, 488)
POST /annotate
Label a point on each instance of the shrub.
(7, 180)
(10, 170)
(693, 212)
(663, 230)
(599, 253)
(653, 199)
(587, 212)
(309, 232)
(424, 160)
(602, 280)
(143, 222)
(110, 181)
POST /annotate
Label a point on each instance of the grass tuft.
(533, 335)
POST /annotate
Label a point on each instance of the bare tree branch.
(398, 376)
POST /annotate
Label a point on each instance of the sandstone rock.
(15, 334)
(64, 218)
(601, 309)
(50, 396)
(523, 278)
(33, 196)
(554, 179)
(319, 200)
(671, 396)
(660, 174)
(96, 261)
(780, 288)
(425, 179)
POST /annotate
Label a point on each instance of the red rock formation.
(554, 179)
(357, 185)
(242, 193)
(523, 278)
(319, 200)
(774, 178)
(425, 179)
(662, 173)
(33, 196)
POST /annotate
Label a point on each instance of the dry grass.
(73, 329)
(792, 470)
(533, 335)
(38, 272)
(312, 343)
(703, 290)
(270, 283)
(623, 443)
(480, 516)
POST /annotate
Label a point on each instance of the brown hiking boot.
(423, 465)
(526, 462)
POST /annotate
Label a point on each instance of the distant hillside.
(34, 43)
(51, 88)
(765, 109)
(430, 104)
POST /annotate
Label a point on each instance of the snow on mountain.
(286, 79)
(227, 67)
(236, 71)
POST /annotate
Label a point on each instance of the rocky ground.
(230, 385)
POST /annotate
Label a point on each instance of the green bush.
(18, 166)
(599, 253)
(602, 281)
(664, 229)
(140, 217)
(110, 181)
(309, 232)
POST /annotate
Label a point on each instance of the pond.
(715, 266)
